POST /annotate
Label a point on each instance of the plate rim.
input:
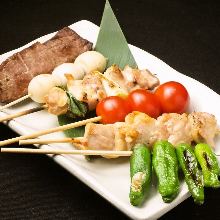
(66, 163)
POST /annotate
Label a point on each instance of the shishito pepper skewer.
(140, 172)
(165, 165)
(193, 176)
(209, 165)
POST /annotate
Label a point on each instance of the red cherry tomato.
(112, 109)
(173, 97)
(144, 101)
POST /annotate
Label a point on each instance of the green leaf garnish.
(76, 108)
(74, 132)
(111, 41)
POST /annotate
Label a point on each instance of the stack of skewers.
(130, 132)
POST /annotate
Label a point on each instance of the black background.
(184, 34)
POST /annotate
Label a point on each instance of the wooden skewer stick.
(51, 130)
(46, 141)
(78, 140)
(15, 102)
(19, 114)
(76, 152)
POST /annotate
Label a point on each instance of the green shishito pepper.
(165, 165)
(209, 165)
(193, 176)
(140, 172)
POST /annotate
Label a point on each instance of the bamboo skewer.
(51, 130)
(47, 141)
(15, 102)
(57, 151)
(18, 114)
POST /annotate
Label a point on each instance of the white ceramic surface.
(110, 178)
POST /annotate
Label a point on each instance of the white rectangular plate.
(110, 178)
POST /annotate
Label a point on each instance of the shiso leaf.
(111, 41)
(75, 107)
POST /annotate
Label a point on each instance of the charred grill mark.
(111, 85)
(190, 166)
(135, 83)
(208, 161)
(85, 97)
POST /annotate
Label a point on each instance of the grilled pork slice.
(17, 71)
(140, 128)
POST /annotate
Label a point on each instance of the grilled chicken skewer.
(140, 128)
(94, 87)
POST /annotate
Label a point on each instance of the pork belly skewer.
(140, 128)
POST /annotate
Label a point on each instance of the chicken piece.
(94, 91)
(143, 79)
(130, 79)
(99, 137)
(120, 142)
(114, 73)
(146, 80)
(108, 137)
(144, 125)
(111, 88)
(177, 127)
(57, 101)
(75, 87)
(204, 127)
(125, 136)
(89, 90)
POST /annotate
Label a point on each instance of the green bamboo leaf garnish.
(111, 41)
(74, 132)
